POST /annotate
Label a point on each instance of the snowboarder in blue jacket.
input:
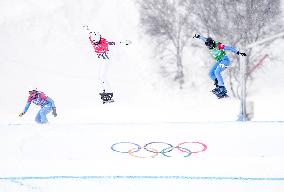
(218, 52)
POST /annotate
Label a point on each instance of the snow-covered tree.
(167, 22)
(238, 23)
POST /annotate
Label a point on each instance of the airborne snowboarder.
(217, 50)
(100, 46)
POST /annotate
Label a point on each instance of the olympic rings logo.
(156, 148)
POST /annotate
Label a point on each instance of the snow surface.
(43, 45)
(239, 157)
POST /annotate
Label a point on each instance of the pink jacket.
(101, 47)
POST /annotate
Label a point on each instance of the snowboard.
(220, 96)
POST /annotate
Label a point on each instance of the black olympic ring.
(145, 146)
(164, 151)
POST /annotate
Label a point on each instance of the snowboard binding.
(106, 97)
(220, 92)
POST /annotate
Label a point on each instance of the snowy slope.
(70, 157)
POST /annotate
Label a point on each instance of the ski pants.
(41, 115)
(217, 68)
(104, 63)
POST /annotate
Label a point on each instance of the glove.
(21, 114)
(86, 27)
(242, 54)
(54, 111)
(196, 36)
(111, 43)
(126, 42)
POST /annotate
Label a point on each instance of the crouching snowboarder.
(217, 50)
(45, 102)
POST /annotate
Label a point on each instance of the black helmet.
(210, 43)
(33, 91)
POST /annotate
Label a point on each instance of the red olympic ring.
(204, 146)
(163, 151)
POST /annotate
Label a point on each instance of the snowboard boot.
(221, 92)
(110, 95)
(106, 97)
(216, 82)
(216, 88)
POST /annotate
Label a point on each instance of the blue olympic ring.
(163, 151)
(138, 147)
